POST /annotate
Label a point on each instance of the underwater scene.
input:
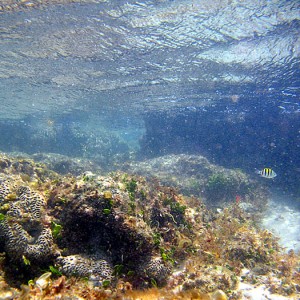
(150, 150)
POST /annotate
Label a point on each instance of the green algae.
(56, 230)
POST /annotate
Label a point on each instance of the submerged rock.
(93, 268)
(195, 175)
(25, 235)
(63, 164)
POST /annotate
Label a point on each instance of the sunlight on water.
(130, 55)
(159, 117)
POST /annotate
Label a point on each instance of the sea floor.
(282, 218)
(252, 292)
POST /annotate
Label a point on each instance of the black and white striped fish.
(266, 173)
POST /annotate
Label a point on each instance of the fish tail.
(257, 171)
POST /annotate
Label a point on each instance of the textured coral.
(29, 204)
(22, 229)
(157, 269)
(4, 190)
(83, 266)
(131, 233)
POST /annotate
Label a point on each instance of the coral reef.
(195, 175)
(97, 270)
(26, 237)
(121, 236)
(156, 269)
(109, 213)
(63, 164)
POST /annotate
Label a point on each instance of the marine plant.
(131, 186)
(118, 269)
(167, 255)
(55, 271)
(220, 186)
(143, 194)
(153, 282)
(106, 211)
(106, 283)
(2, 217)
(176, 208)
(56, 230)
(26, 261)
(166, 230)
(156, 238)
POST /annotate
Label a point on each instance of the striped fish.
(266, 173)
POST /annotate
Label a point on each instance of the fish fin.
(257, 171)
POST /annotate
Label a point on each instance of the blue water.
(121, 80)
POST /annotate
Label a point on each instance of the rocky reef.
(227, 135)
(196, 175)
(122, 236)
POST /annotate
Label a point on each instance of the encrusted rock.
(21, 227)
(156, 268)
(4, 190)
(84, 266)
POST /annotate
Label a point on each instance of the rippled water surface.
(145, 56)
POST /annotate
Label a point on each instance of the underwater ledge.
(122, 236)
